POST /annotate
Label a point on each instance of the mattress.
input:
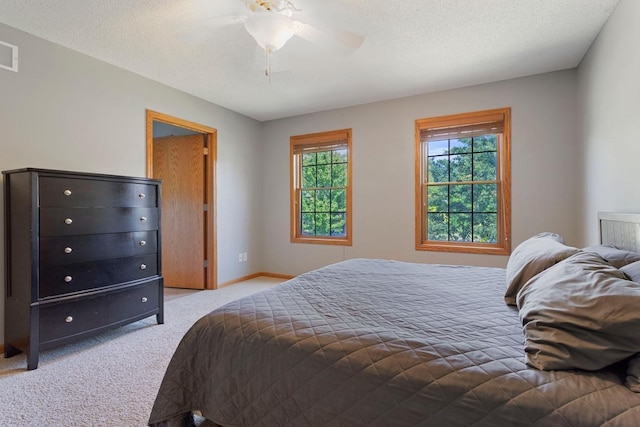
(378, 343)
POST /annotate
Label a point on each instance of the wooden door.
(180, 163)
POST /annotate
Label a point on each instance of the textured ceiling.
(410, 47)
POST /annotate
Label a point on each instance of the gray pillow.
(531, 257)
(632, 271)
(582, 313)
(633, 374)
(616, 257)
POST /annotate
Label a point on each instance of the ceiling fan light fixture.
(270, 30)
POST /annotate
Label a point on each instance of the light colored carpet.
(111, 379)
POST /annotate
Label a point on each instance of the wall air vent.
(8, 56)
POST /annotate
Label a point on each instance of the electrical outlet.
(240, 257)
(244, 256)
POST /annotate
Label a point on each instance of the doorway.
(183, 155)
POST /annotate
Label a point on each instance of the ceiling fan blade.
(347, 38)
(329, 38)
(221, 21)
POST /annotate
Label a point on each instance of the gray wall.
(545, 177)
(65, 110)
(609, 99)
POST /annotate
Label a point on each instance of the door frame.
(211, 135)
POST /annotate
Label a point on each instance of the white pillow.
(632, 271)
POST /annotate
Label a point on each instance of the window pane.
(460, 227)
(323, 201)
(308, 224)
(308, 201)
(460, 198)
(323, 212)
(462, 145)
(339, 175)
(339, 156)
(485, 228)
(309, 159)
(485, 143)
(461, 167)
(324, 176)
(485, 198)
(436, 148)
(438, 168)
(308, 176)
(322, 224)
(338, 200)
(438, 198)
(484, 166)
(437, 228)
(324, 157)
(339, 224)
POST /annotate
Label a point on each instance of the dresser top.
(74, 174)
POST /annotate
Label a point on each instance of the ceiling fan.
(273, 22)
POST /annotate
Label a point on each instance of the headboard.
(620, 229)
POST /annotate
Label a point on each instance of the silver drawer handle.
(68, 250)
(143, 242)
(142, 195)
(143, 218)
(143, 266)
(68, 319)
(68, 279)
(68, 221)
(144, 299)
(67, 192)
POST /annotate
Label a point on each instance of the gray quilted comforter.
(379, 343)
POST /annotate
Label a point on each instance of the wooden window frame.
(312, 140)
(503, 243)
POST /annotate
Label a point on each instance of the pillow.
(532, 256)
(616, 257)
(582, 313)
(633, 374)
(632, 271)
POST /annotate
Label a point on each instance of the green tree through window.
(324, 193)
(462, 204)
(462, 174)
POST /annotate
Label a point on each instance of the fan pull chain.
(267, 69)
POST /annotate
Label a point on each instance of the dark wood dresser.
(82, 256)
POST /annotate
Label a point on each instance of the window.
(463, 182)
(321, 188)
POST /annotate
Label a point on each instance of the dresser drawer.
(67, 279)
(58, 191)
(65, 250)
(86, 315)
(75, 221)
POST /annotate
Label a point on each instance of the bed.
(377, 343)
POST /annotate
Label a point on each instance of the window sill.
(471, 248)
(323, 240)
